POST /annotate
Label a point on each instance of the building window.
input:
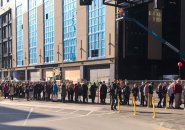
(48, 31)
(32, 25)
(96, 30)
(19, 36)
(69, 30)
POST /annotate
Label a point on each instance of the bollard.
(148, 103)
(154, 111)
(166, 101)
(118, 104)
(134, 101)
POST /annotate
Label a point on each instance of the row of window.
(96, 29)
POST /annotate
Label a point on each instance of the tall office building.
(41, 39)
(63, 39)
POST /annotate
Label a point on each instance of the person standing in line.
(27, 91)
(12, 91)
(71, 89)
(184, 95)
(170, 92)
(126, 93)
(114, 94)
(103, 92)
(146, 93)
(135, 91)
(6, 90)
(64, 92)
(31, 90)
(178, 93)
(151, 91)
(85, 92)
(76, 92)
(80, 91)
(93, 91)
(55, 91)
(164, 93)
(160, 94)
(142, 96)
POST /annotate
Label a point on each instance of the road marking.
(27, 118)
(59, 110)
(89, 113)
(74, 112)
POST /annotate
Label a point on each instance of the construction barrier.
(118, 104)
(134, 103)
(166, 101)
(148, 102)
(154, 111)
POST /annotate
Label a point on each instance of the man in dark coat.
(84, 92)
(93, 92)
(114, 94)
(103, 92)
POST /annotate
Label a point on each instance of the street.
(20, 115)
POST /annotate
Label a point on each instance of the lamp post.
(180, 65)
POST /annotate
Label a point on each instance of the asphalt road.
(23, 115)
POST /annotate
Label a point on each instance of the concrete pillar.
(112, 72)
(26, 75)
(40, 70)
(81, 72)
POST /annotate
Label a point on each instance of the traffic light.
(86, 2)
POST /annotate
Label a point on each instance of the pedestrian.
(151, 91)
(135, 91)
(142, 94)
(76, 92)
(12, 91)
(103, 92)
(27, 91)
(55, 91)
(146, 93)
(160, 94)
(64, 92)
(164, 94)
(93, 89)
(6, 90)
(126, 93)
(114, 94)
(80, 91)
(85, 92)
(170, 92)
(178, 93)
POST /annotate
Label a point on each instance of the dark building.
(6, 42)
(140, 56)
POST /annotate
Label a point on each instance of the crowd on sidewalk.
(81, 92)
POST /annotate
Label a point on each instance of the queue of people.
(49, 91)
(82, 92)
(144, 92)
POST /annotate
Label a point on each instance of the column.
(26, 75)
(81, 72)
(112, 72)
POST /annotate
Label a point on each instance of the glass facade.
(48, 31)
(19, 36)
(32, 24)
(69, 30)
(96, 30)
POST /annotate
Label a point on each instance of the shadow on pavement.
(8, 127)
(8, 115)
